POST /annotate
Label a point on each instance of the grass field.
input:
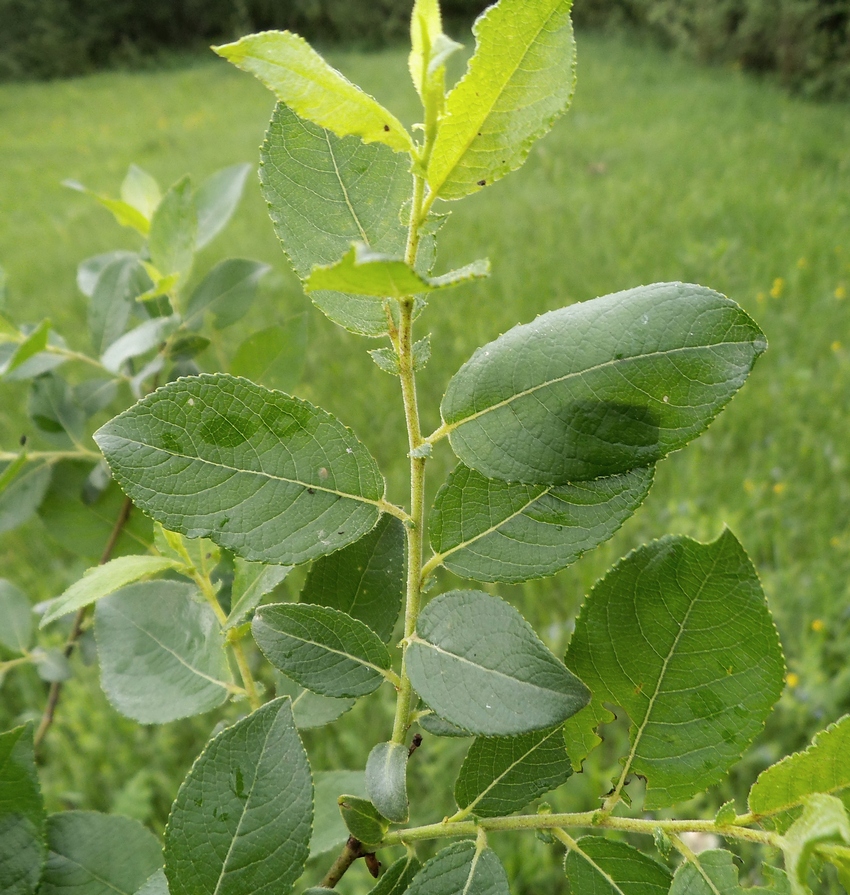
(661, 171)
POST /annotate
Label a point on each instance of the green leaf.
(22, 496)
(22, 819)
(270, 477)
(124, 213)
(301, 78)
(490, 530)
(363, 820)
(323, 649)
(216, 200)
(477, 662)
(430, 49)
(500, 775)
(387, 359)
(172, 231)
(161, 652)
(398, 876)
(679, 635)
(16, 612)
(432, 723)
(32, 345)
(714, 873)
(461, 869)
(4, 291)
(227, 290)
(141, 191)
(386, 781)
(251, 582)
(94, 395)
(119, 284)
(89, 271)
(362, 271)
(324, 193)
(274, 357)
(312, 710)
(824, 820)
(604, 386)
(329, 830)
(140, 340)
(598, 866)
(83, 525)
(365, 579)
(519, 81)
(52, 665)
(53, 410)
(98, 854)
(156, 884)
(241, 822)
(822, 768)
(103, 580)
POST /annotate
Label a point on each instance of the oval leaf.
(490, 530)
(602, 387)
(461, 869)
(241, 822)
(216, 200)
(312, 709)
(227, 291)
(324, 650)
(363, 820)
(605, 867)
(268, 476)
(477, 662)
(503, 774)
(398, 876)
(274, 357)
(161, 652)
(386, 780)
(251, 582)
(679, 635)
(22, 495)
(16, 612)
(714, 872)
(172, 231)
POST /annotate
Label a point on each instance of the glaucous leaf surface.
(461, 869)
(432, 723)
(274, 357)
(138, 341)
(242, 818)
(386, 781)
(398, 876)
(363, 820)
(600, 387)
(251, 582)
(53, 410)
(21, 496)
(365, 579)
(387, 359)
(270, 477)
(605, 867)
(824, 821)
(16, 615)
(89, 270)
(325, 192)
(520, 79)
(322, 649)
(301, 79)
(679, 635)
(823, 767)
(22, 818)
(140, 191)
(98, 854)
(115, 291)
(227, 292)
(216, 200)
(100, 581)
(156, 884)
(329, 829)
(491, 530)
(501, 775)
(171, 241)
(161, 652)
(94, 395)
(312, 709)
(717, 874)
(478, 663)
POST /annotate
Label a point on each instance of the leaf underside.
(605, 867)
(461, 869)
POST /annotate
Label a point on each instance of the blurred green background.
(662, 170)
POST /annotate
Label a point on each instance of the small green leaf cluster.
(557, 426)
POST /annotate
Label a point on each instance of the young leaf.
(312, 709)
(124, 213)
(301, 78)
(603, 387)
(216, 200)
(16, 612)
(461, 869)
(822, 768)
(386, 781)
(22, 818)
(362, 271)
(329, 830)
(824, 820)
(241, 822)
(22, 496)
(430, 50)
(227, 290)
(501, 775)
(363, 820)
(387, 359)
(606, 867)
(274, 357)
(117, 287)
(172, 231)
(520, 79)
(323, 649)
(101, 581)
(477, 662)
(365, 579)
(251, 583)
(398, 876)
(141, 191)
(715, 873)
(270, 477)
(98, 854)
(32, 345)
(679, 635)
(161, 652)
(324, 193)
(490, 530)
(143, 338)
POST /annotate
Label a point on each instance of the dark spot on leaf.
(482, 183)
(227, 431)
(23, 440)
(171, 442)
(311, 490)
(283, 422)
(386, 127)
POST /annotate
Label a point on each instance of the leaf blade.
(461, 869)
(386, 781)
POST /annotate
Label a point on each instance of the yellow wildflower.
(778, 286)
(793, 680)
(779, 487)
(840, 292)
(836, 345)
(818, 625)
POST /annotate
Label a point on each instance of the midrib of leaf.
(471, 876)
(489, 110)
(345, 189)
(92, 874)
(450, 427)
(330, 649)
(694, 859)
(604, 874)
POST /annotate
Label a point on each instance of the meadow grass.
(661, 171)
